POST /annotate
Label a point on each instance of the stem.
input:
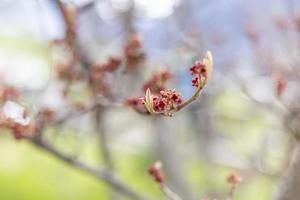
(231, 193)
(169, 193)
(194, 96)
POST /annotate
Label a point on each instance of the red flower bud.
(197, 68)
(234, 178)
(155, 171)
(280, 83)
(195, 82)
(133, 51)
(112, 64)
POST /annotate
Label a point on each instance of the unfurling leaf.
(208, 61)
(149, 101)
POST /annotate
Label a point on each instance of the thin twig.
(73, 114)
(231, 192)
(76, 113)
(192, 98)
(169, 193)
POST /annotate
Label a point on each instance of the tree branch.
(100, 173)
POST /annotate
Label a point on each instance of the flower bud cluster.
(133, 52)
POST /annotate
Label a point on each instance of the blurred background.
(243, 122)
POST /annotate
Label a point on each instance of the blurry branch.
(231, 192)
(193, 42)
(87, 5)
(99, 112)
(98, 108)
(248, 164)
(101, 173)
(169, 193)
(77, 51)
(258, 166)
(167, 154)
(289, 184)
(76, 113)
(289, 187)
(103, 142)
(128, 19)
(283, 110)
(264, 105)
